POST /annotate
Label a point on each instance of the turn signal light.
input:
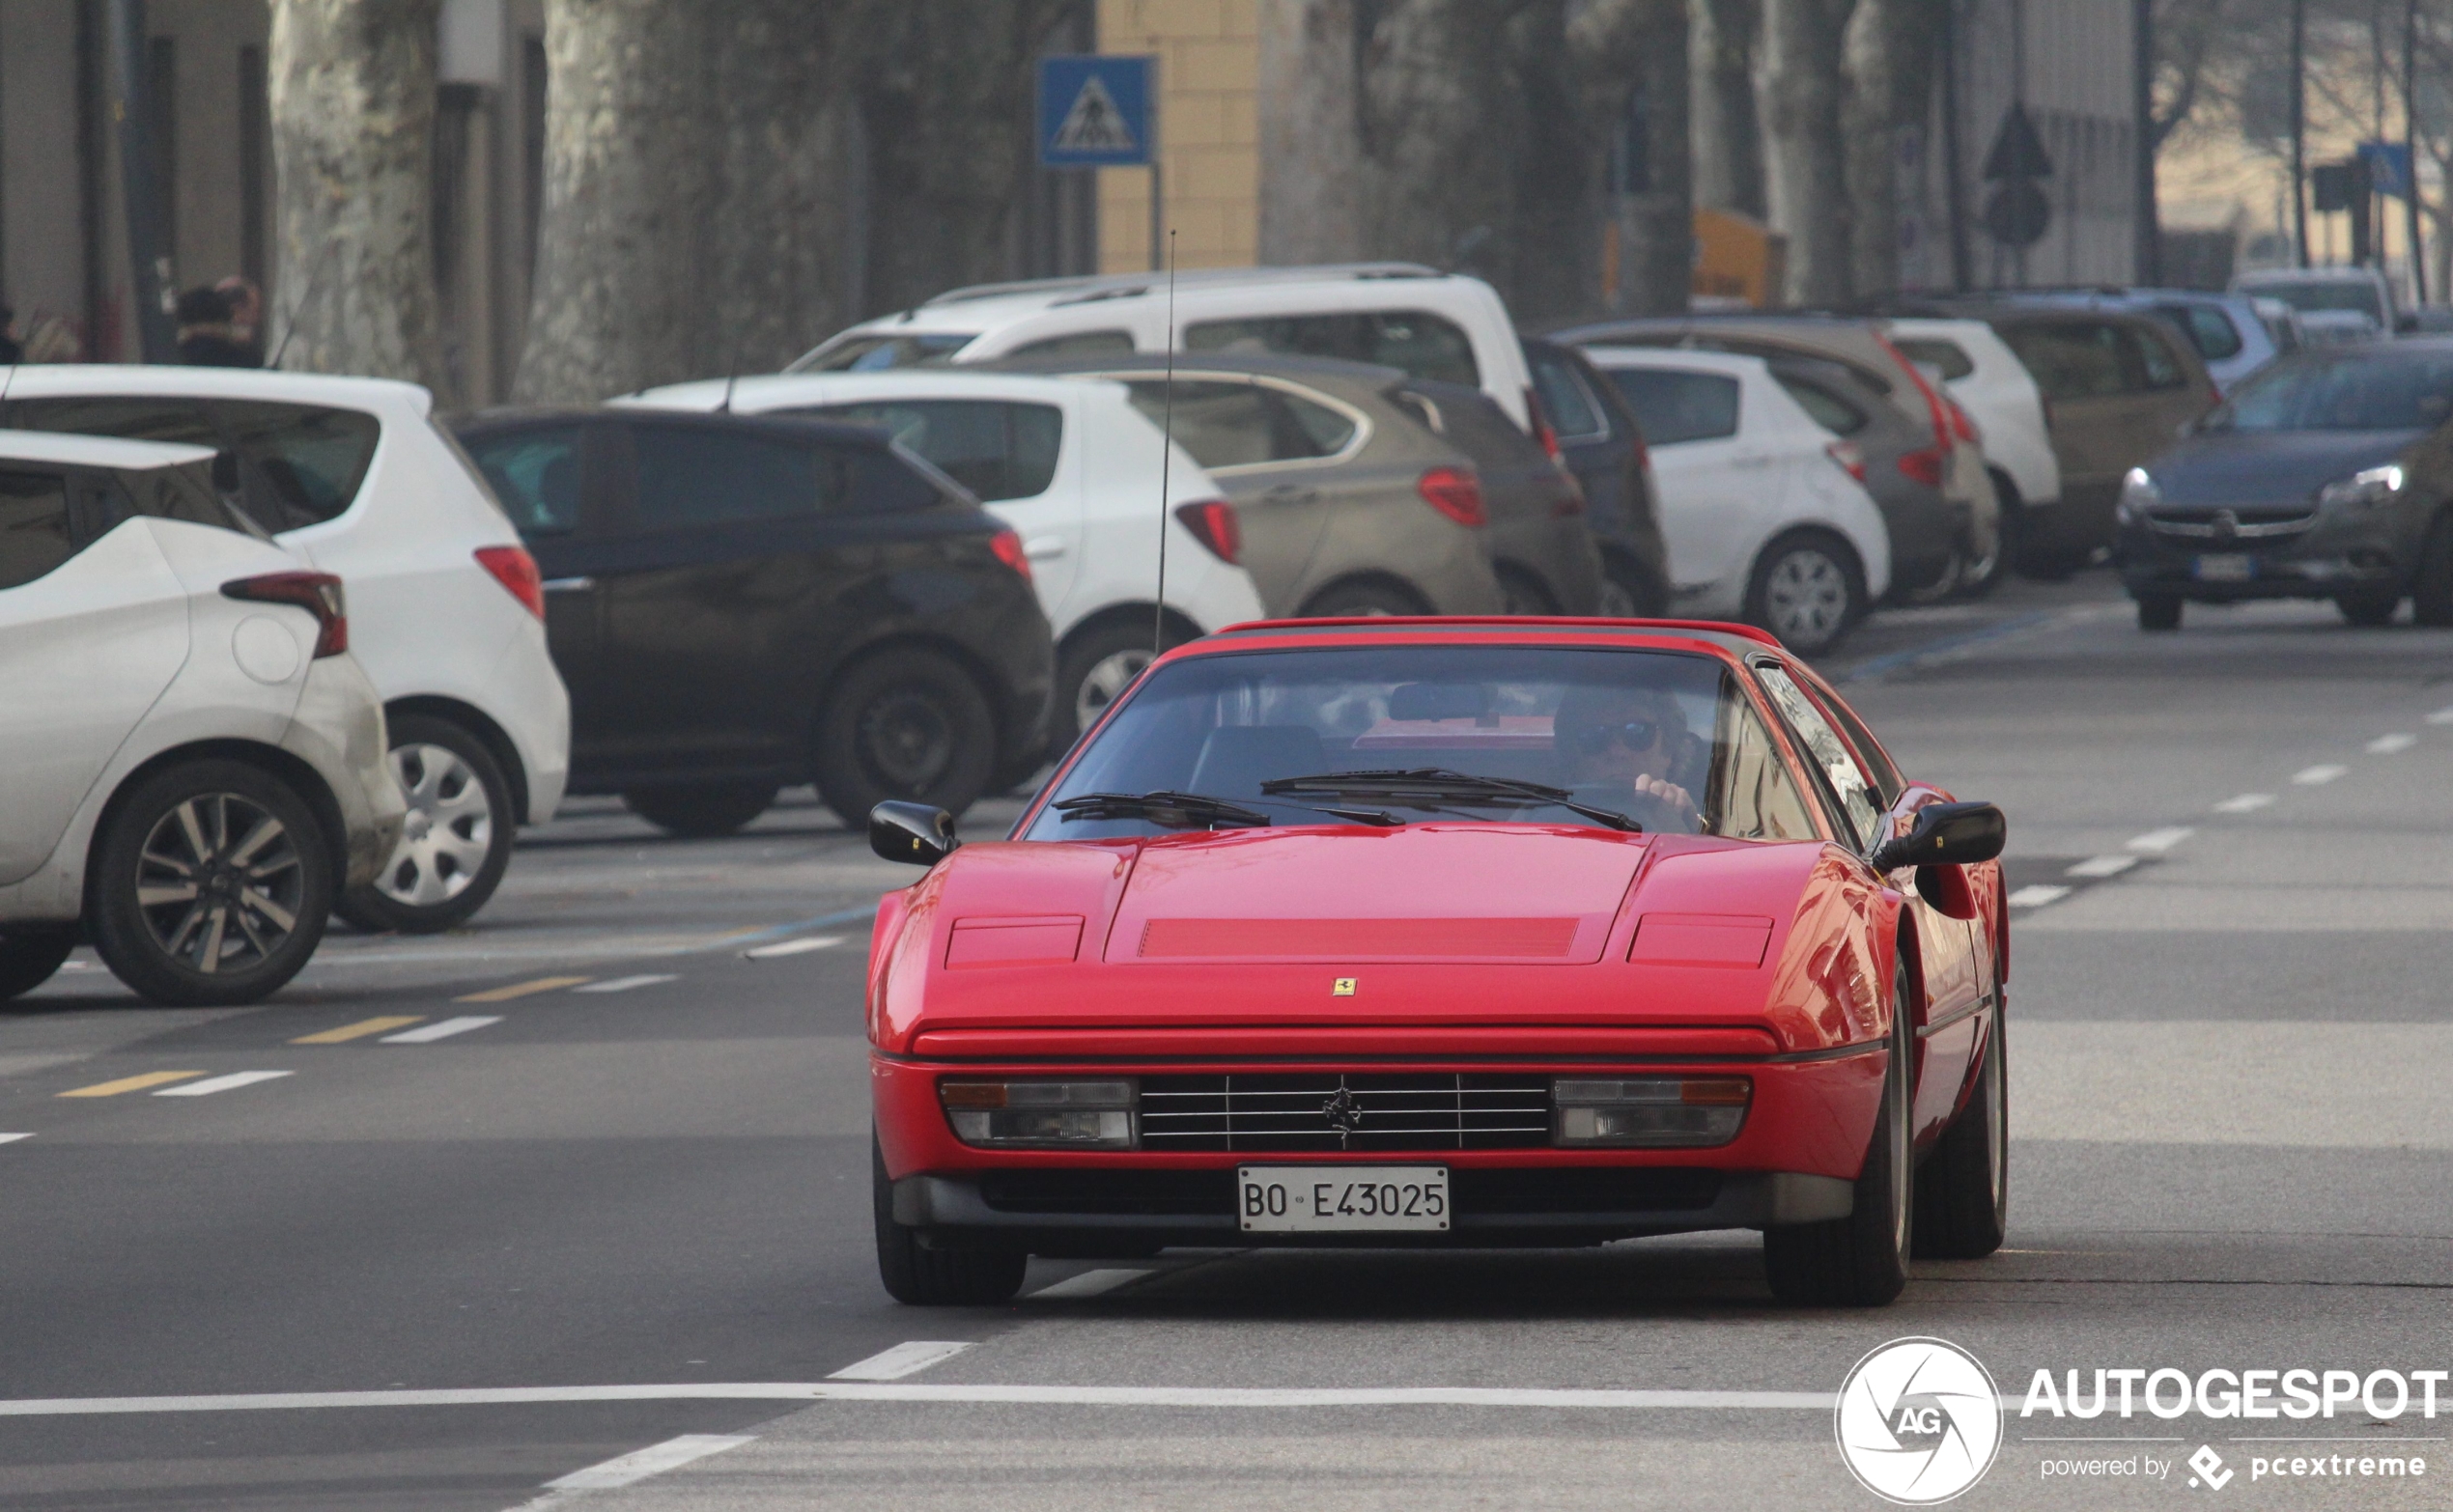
(1456, 493)
(1008, 549)
(1214, 524)
(318, 592)
(1062, 1114)
(517, 570)
(1648, 1111)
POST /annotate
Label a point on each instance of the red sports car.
(1463, 932)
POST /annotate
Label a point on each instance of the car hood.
(2238, 467)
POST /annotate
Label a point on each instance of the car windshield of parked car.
(858, 353)
(1666, 740)
(2367, 392)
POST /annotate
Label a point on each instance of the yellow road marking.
(150, 1078)
(542, 983)
(360, 1030)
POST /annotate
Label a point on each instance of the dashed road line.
(2244, 803)
(360, 1029)
(2441, 716)
(442, 1029)
(11, 1139)
(2393, 744)
(229, 1083)
(2035, 895)
(624, 984)
(793, 947)
(2156, 842)
(505, 994)
(1090, 1283)
(2319, 775)
(135, 1083)
(654, 1460)
(907, 1359)
(2113, 865)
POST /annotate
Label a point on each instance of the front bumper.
(2366, 552)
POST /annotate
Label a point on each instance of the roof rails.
(1116, 285)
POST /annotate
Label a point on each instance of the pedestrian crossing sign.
(1096, 111)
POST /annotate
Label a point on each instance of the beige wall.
(1209, 140)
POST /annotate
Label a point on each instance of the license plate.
(2229, 567)
(1342, 1199)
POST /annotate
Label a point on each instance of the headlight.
(1071, 1116)
(2362, 489)
(1649, 1110)
(2138, 495)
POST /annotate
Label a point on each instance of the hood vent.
(1359, 940)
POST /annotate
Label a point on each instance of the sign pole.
(1158, 218)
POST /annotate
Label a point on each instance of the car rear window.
(2210, 330)
(1574, 414)
(996, 448)
(1674, 406)
(1827, 410)
(1947, 356)
(1225, 424)
(34, 538)
(304, 463)
(1423, 344)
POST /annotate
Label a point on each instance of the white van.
(1399, 314)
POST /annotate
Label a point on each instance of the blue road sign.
(2388, 167)
(1097, 111)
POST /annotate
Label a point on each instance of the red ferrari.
(1464, 933)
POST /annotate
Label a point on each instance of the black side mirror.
(1945, 834)
(912, 832)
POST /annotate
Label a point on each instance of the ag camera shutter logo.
(1919, 1421)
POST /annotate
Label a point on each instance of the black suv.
(741, 602)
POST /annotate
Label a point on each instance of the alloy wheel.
(449, 829)
(1105, 683)
(907, 739)
(219, 883)
(1806, 596)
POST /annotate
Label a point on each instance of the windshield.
(2367, 392)
(2328, 293)
(858, 351)
(1666, 740)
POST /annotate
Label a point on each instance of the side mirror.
(1945, 834)
(912, 832)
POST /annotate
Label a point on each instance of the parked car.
(2231, 338)
(191, 764)
(1428, 324)
(2326, 476)
(1540, 547)
(1346, 502)
(2362, 292)
(354, 476)
(2000, 395)
(1073, 467)
(1877, 444)
(1764, 520)
(739, 602)
(1602, 442)
(2282, 324)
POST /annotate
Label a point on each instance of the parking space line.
(2035, 895)
(793, 947)
(2319, 775)
(505, 994)
(907, 1359)
(1090, 1283)
(360, 1029)
(624, 984)
(2244, 803)
(135, 1083)
(229, 1083)
(2156, 842)
(442, 1030)
(11, 1139)
(2393, 744)
(656, 1458)
(2113, 865)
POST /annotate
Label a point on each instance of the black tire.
(1963, 1190)
(1807, 589)
(1095, 666)
(2432, 593)
(1524, 593)
(28, 961)
(2369, 610)
(947, 1276)
(1630, 592)
(1861, 1260)
(703, 811)
(177, 950)
(458, 802)
(1364, 598)
(2160, 613)
(906, 724)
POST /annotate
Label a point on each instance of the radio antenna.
(732, 374)
(1166, 456)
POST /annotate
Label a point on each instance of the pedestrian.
(247, 315)
(204, 339)
(11, 352)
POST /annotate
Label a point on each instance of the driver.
(1630, 740)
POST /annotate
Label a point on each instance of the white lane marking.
(2035, 895)
(2393, 744)
(656, 1458)
(212, 1084)
(11, 1139)
(2102, 866)
(1090, 1283)
(428, 1034)
(896, 1391)
(2156, 842)
(2441, 716)
(793, 947)
(2319, 775)
(907, 1359)
(2244, 803)
(623, 984)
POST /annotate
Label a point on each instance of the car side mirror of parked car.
(912, 832)
(1945, 834)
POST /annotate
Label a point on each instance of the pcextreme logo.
(1919, 1421)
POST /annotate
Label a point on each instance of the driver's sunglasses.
(1636, 734)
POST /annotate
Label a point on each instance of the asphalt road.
(639, 1158)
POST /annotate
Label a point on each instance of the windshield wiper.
(1420, 787)
(1170, 811)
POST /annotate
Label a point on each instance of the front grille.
(2246, 524)
(1283, 1112)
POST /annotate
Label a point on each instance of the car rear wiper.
(1170, 811)
(1424, 786)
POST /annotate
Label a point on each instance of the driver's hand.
(1669, 795)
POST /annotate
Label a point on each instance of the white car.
(1764, 521)
(1399, 314)
(191, 764)
(353, 475)
(1074, 468)
(1999, 394)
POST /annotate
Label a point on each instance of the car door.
(1713, 478)
(93, 628)
(2084, 367)
(542, 473)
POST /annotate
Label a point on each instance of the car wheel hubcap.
(219, 883)
(1806, 597)
(449, 830)
(1105, 681)
(908, 739)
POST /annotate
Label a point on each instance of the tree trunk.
(1633, 55)
(1803, 148)
(1727, 138)
(1889, 55)
(1311, 141)
(351, 87)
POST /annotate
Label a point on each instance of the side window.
(34, 525)
(1888, 783)
(2210, 331)
(2071, 359)
(305, 461)
(1674, 406)
(1827, 410)
(1326, 430)
(878, 481)
(688, 475)
(1081, 344)
(2158, 367)
(1754, 796)
(1575, 416)
(1858, 802)
(996, 449)
(1228, 425)
(1423, 344)
(182, 492)
(536, 475)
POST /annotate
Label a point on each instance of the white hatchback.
(1075, 469)
(1763, 519)
(353, 475)
(1981, 372)
(192, 763)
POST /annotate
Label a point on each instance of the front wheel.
(1807, 590)
(1629, 592)
(28, 961)
(456, 840)
(1861, 1260)
(945, 1275)
(2160, 613)
(1963, 1190)
(2432, 593)
(905, 724)
(1357, 601)
(2369, 610)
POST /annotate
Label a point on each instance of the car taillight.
(1213, 523)
(1008, 549)
(1542, 433)
(1923, 466)
(517, 570)
(1455, 492)
(1569, 504)
(1933, 401)
(318, 592)
(1961, 425)
(1850, 456)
